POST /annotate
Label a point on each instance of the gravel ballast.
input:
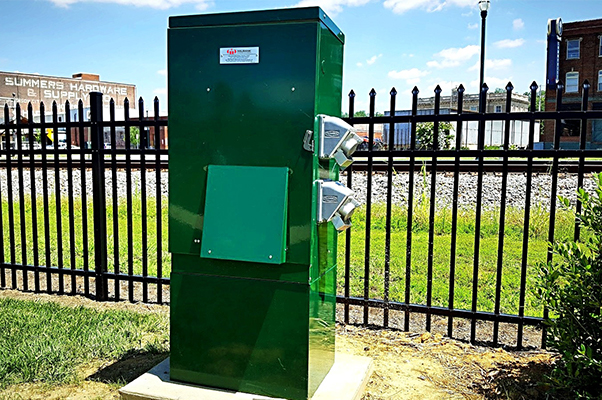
(467, 188)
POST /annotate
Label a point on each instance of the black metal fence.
(115, 232)
(33, 256)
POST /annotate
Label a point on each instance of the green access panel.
(245, 214)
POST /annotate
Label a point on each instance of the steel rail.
(516, 166)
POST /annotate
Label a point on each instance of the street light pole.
(483, 6)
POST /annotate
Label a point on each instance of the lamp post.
(483, 6)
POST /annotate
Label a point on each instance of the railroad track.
(517, 166)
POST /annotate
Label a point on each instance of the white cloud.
(473, 26)
(373, 59)
(453, 57)
(411, 76)
(446, 88)
(159, 4)
(162, 72)
(332, 7)
(518, 24)
(160, 91)
(401, 6)
(492, 83)
(359, 64)
(509, 44)
(492, 64)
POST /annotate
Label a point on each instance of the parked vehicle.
(377, 144)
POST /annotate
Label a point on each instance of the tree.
(499, 90)
(425, 133)
(540, 100)
(540, 104)
(361, 113)
(134, 136)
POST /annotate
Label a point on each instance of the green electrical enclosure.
(253, 282)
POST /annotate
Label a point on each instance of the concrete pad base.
(346, 380)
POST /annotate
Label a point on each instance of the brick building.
(24, 88)
(574, 54)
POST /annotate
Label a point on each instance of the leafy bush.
(425, 135)
(571, 286)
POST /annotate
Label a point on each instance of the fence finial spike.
(372, 92)
(586, 84)
(351, 93)
(509, 86)
(560, 85)
(438, 89)
(534, 86)
(484, 88)
(415, 90)
(461, 89)
(393, 91)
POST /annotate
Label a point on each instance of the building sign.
(553, 53)
(25, 88)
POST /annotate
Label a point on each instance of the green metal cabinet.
(253, 283)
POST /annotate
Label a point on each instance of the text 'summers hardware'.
(253, 156)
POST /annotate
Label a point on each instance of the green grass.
(44, 341)
(79, 260)
(463, 282)
(512, 252)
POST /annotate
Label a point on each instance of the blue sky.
(400, 43)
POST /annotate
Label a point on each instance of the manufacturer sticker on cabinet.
(239, 55)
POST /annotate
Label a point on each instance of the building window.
(600, 81)
(600, 47)
(572, 82)
(498, 109)
(473, 108)
(572, 49)
(571, 127)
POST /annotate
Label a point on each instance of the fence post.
(98, 196)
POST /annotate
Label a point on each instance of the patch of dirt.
(76, 301)
(40, 391)
(407, 365)
(427, 366)
(77, 286)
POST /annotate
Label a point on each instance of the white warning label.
(239, 55)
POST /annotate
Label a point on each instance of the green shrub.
(571, 286)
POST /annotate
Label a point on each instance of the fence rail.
(92, 221)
